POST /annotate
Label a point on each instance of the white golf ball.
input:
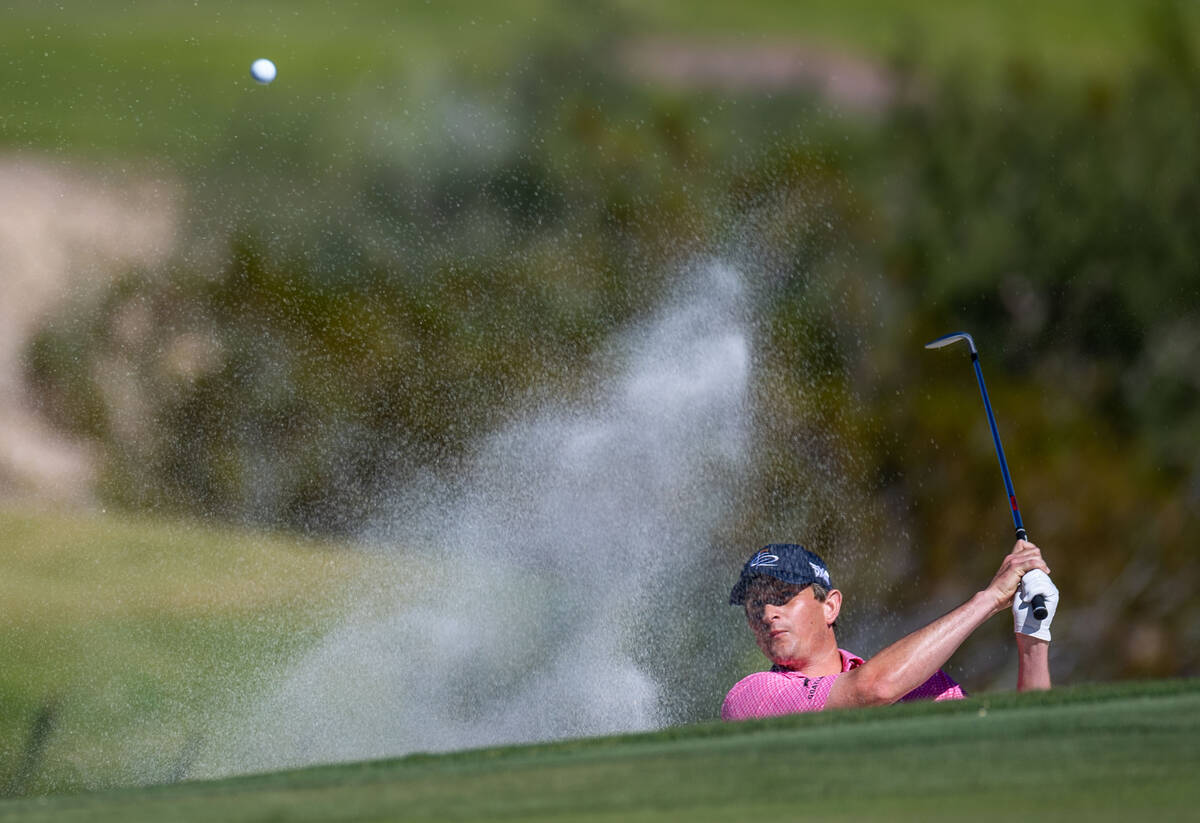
(262, 70)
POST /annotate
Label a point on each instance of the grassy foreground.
(1094, 753)
(122, 640)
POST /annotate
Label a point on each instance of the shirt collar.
(850, 660)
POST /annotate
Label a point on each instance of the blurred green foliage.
(373, 284)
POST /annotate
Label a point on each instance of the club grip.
(1038, 602)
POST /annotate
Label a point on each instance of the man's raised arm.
(909, 662)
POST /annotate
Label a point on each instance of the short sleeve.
(767, 694)
(939, 687)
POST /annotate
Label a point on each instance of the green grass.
(171, 80)
(138, 634)
(147, 636)
(1094, 753)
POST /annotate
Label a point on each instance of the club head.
(953, 337)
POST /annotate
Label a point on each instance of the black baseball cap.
(788, 562)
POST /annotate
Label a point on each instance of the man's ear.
(832, 606)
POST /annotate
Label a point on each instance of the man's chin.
(781, 658)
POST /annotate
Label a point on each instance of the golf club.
(1038, 603)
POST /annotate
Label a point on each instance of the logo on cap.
(819, 572)
(764, 559)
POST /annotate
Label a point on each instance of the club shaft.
(1038, 603)
(1008, 485)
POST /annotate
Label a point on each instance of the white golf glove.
(1034, 582)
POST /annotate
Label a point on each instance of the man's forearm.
(1033, 663)
(908, 663)
(913, 659)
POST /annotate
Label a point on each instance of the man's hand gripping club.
(1022, 575)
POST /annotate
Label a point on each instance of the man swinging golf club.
(792, 608)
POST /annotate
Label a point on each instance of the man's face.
(790, 625)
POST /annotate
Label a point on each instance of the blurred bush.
(1060, 226)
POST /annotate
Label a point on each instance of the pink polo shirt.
(781, 691)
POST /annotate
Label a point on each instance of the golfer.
(792, 608)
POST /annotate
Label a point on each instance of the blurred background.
(254, 337)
